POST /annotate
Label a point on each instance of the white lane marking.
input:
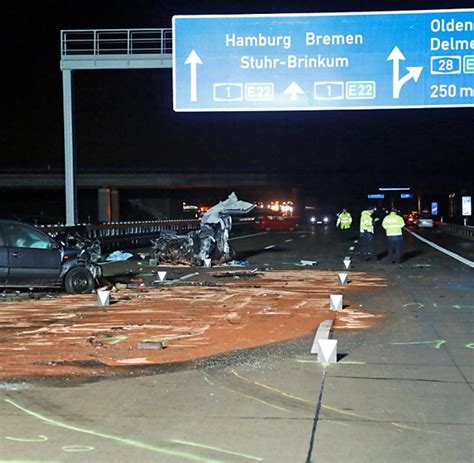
(459, 258)
(288, 241)
(303, 236)
(269, 247)
(248, 236)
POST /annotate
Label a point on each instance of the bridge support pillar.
(108, 205)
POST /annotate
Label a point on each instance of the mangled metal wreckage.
(211, 241)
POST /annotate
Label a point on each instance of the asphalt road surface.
(401, 391)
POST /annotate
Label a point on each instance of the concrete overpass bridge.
(157, 179)
(109, 183)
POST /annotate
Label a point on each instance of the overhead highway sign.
(375, 60)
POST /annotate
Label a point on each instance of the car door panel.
(4, 267)
(33, 258)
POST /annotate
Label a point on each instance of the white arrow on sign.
(413, 72)
(293, 90)
(193, 60)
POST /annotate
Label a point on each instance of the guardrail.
(114, 235)
(128, 235)
(457, 230)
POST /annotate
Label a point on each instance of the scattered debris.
(206, 283)
(237, 263)
(151, 345)
(118, 256)
(76, 237)
(211, 241)
(170, 248)
(109, 339)
(307, 263)
(233, 318)
(71, 336)
(189, 275)
(235, 274)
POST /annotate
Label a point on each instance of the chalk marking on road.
(470, 346)
(78, 448)
(335, 422)
(350, 362)
(336, 410)
(40, 438)
(247, 236)
(356, 415)
(269, 247)
(245, 395)
(122, 440)
(451, 254)
(209, 447)
(418, 305)
(345, 412)
(437, 343)
(411, 428)
(341, 362)
(270, 388)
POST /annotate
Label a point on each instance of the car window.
(20, 236)
(2, 241)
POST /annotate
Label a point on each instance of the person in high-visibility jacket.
(366, 235)
(344, 220)
(393, 225)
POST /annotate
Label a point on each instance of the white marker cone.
(327, 350)
(161, 276)
(347, 263)
(342, 278)
(335, 302)
(207, 262)
(103, 297)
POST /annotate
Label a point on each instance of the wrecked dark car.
(30, 258)
(78, 237)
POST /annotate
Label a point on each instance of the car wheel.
(79, 281)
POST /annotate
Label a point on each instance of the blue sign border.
(233, 101)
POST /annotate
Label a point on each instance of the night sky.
(124, 119)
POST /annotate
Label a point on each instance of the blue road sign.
(407, 59)
(434, 208)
